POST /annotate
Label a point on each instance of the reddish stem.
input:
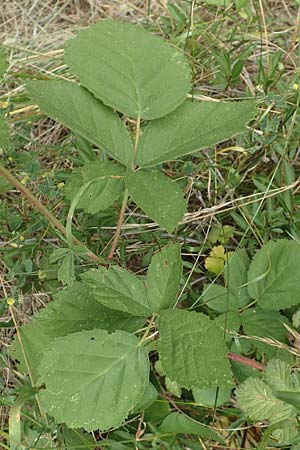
(246, 361)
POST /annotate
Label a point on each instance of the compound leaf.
(129, 69)
(192, 350)
(93, 379)
(160, 198)
(118, 289)
(103, 183)
(273, 278)
(72, 310)
(163, 278)
(79, 110)
(191, 127)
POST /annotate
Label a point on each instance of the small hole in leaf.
(92, 338)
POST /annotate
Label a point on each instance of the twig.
(119, 225)
(43, 210)
(246, 361)
(126, 193)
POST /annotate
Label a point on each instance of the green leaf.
(5, 186)
(156, 412)
(231, 322)
(235, 276)
(3, 62)
(212, 397)
(273, 280)
(160, 198)
(4, 133)
(73, 310)
(93, 379)
(79, 110)
(76, 309)
(221, 234)
(279, 377)
(149, 397)
(65, 273)
(15, 421)
(34, 341)
(191, 127)
(129, 69)
(179, 423)
(256, 399)
(290, 397)
(163, 278)
(118, 289)
(219, 298)
(192, 350)
(76, 439)
(264, 324)
(103, 185)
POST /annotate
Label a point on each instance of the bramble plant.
(87, 352)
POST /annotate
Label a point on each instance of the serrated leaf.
(160, 198)
(279, 377)
(179, 423)
(256, 399)
(173, 387)
(129, 69)
(264, 324)
(104, 184)
(191, 127)
(212, 397)
(66, 270)
(76, 309)
(221, 234)
(163, 278)
(215, 262)
(73, 310)
(79, 110)
(93, 379)
(192, 350)
(273, 280)
(118, 289)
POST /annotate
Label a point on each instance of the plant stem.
(126, 193)
(43, 210)
(246, 361)
(136, 140)
(119, 224)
